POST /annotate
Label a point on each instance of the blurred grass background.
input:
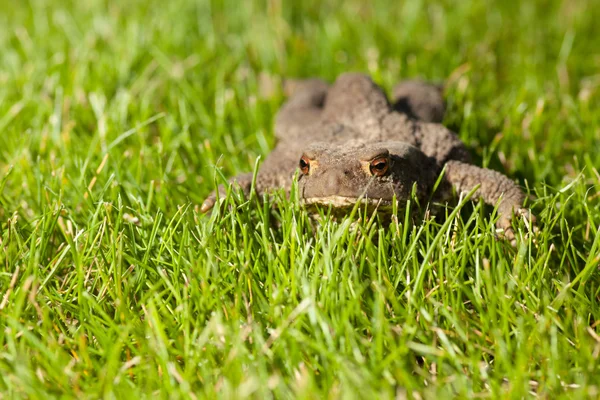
(113, 117)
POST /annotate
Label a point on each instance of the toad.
(347, 143)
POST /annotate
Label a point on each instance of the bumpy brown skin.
(420, 100)
(340, 130)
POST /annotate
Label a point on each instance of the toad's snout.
(340, 182)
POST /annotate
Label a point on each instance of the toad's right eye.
(305, 165)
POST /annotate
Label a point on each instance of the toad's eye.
(305, 165)
(379, 166)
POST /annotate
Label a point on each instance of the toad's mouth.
(344, 202)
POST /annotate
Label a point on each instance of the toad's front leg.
(276, 172)
(493, 188)
(244, 181)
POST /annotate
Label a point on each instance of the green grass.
(113, 118)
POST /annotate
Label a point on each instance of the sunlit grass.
(116, 120)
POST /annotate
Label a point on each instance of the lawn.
(118, 118)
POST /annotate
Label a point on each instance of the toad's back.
(356, 110)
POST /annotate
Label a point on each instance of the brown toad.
(351, 144)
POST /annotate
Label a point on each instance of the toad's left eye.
(379, 166)
(304, 165)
